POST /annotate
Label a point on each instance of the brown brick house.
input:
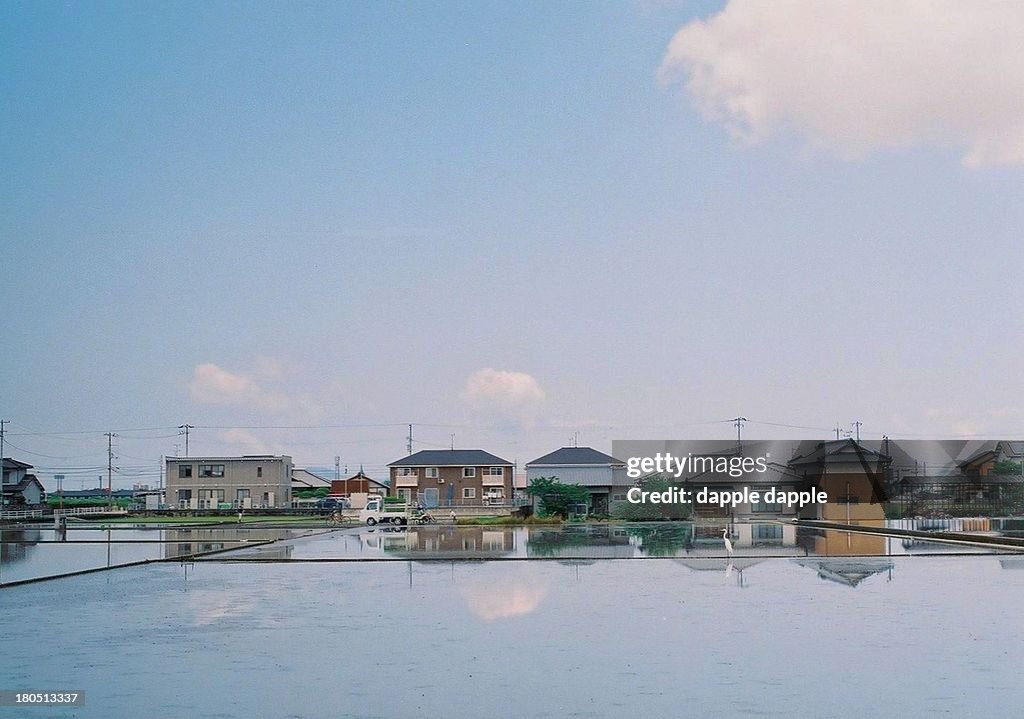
(452, 478)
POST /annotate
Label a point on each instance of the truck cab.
(379, 511)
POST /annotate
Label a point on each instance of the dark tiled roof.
(575, 455)
(98, 492)
(450, 458)
(848, 450)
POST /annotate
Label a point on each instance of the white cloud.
(212, 384)
(215, 385)
(862, 75)
(501, 391)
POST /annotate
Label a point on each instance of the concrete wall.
(268, 480)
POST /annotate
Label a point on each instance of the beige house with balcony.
(452, 478)
(249, 482)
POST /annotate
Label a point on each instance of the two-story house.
(452, 477)
(257, 481)
(603, 475)
(20, 487)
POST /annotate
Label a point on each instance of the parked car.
(327, 505)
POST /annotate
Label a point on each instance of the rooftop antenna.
(408, 446)
(452, 446)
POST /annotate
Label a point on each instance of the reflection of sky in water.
(537, 639)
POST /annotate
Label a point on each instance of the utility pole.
(337, 466)
(837, 432)
(110, 470)
(856, 428)
(2, 464)
(408, 446)
(738, 422)
(451, 444)
(186, 427)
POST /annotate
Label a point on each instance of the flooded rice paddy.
(460, 622)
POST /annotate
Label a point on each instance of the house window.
(431, 472)
(211, 470)
(469, 492)
(469, 471)
(406, 472)
(241, 495)
(259, 471)
(767, 532)
(619, 497)
(184, 495)
(762, 506)
(495, 472)
(184, 471)
(405, 494)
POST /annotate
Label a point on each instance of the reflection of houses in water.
(477, 542)
(17, 543)
(190, 541)
(745, 535)
(834, 542)
(849, 571)
(590, 541)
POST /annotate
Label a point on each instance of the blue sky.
(510, 222)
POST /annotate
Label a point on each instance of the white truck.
(378, 511)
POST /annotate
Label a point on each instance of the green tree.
(1007, 467)
(557, 498)
(649, 511)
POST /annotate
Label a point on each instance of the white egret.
(728, 542)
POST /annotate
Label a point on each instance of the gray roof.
(21, 486)
(575, 455)
(309, 479)
(838, 450)
(450, 458)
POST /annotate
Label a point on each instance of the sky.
(299, 228)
